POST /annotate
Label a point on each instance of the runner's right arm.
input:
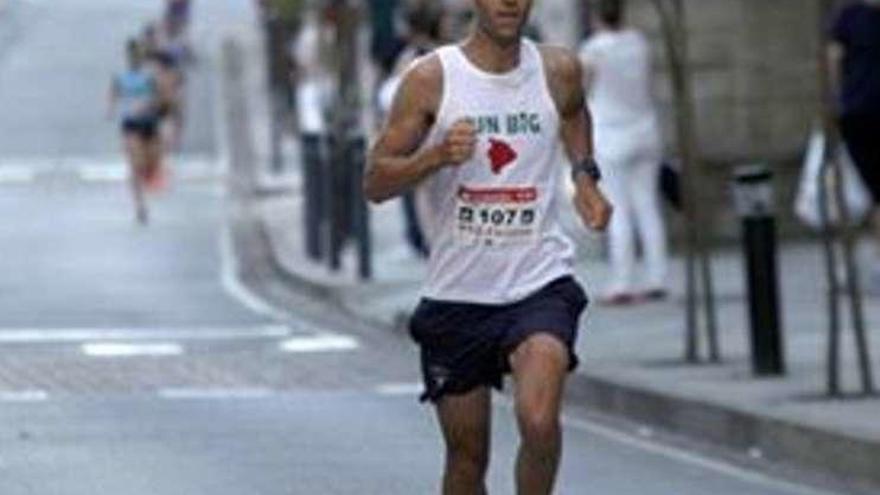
(395, 163)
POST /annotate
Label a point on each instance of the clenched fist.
(595, 211)
(459, 144)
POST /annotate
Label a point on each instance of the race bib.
(497, 216)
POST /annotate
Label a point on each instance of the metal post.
(360, 213)
(754, 196)
(335, 231)
(276, 53)
(313, 172)
(345, 124)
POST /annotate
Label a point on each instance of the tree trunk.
(673, 21)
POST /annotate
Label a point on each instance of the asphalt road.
(131, 360)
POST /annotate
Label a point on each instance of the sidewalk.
(632, 357)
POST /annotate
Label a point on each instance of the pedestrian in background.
(135, 94)
(855, 73)
(311, 56)
(424, 21)
(170, 80)
(618, 80)
(385, 41)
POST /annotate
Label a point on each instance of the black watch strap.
(586, 166)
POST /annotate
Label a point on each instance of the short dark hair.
(612, 12)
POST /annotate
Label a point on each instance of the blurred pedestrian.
(480, 128)
(311, 55)
(424, 21)
(385, 40)
(170, 80)
(618, 79)
(177, 13)
(135, 94)
(855, 72)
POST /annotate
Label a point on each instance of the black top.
(858, 29)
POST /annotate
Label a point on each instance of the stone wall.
(754, 70)
(755, 75)
(755, 83)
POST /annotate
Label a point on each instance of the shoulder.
(563, 69)
(639, 37)
(421, 85)
(561, 64)
(425, 72)
(564, 77)
(593, 45)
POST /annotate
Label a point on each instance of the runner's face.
(503, 20)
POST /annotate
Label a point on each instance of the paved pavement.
(308, 443)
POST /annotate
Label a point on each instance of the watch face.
(589, 167)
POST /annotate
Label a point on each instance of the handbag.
(855, 193)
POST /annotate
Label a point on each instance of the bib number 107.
(497, 216)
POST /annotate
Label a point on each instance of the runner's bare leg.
(466, 424)
(540, 365)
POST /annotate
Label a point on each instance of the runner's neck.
(491, 56)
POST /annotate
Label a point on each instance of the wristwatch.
(586, 166)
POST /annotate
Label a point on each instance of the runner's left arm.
(565, 77)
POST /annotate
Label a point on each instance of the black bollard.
(753, 191)
(313, 175)
(360, 219)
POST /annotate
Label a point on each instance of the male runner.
(480, 126)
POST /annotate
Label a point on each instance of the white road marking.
(11, 174)
(24, 396)
(398, 389)
(185, 168)
(691, 458)
(103, 173)
(75, 335)
(646, 432)
(118, 349)
(233, 286)
(681, 455)
(214, 393)
(319, 343)
(103, 169)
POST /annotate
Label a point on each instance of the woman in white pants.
(617, 66)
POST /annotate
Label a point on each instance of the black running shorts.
(465, 346)
(145, 128)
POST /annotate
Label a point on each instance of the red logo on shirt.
(500, 154)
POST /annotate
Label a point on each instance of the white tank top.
(492, 222)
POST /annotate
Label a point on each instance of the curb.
(830, 453)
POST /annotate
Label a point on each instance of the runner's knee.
(539, 426)
(467, 460)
